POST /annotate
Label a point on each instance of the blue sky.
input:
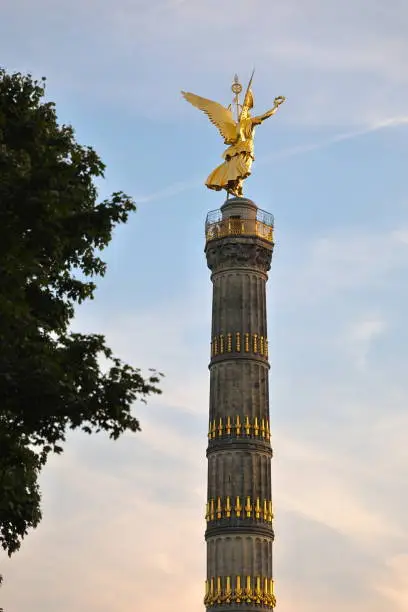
(123, 522)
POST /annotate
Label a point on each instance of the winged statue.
(237, 133)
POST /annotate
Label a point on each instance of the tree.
(52, 230)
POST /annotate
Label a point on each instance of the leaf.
(53, 230)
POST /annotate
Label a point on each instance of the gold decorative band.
(234, 426)
(257, 590)
(244, 507)
(239, 343)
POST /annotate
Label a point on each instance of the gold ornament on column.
(228, 508)
(228, 590)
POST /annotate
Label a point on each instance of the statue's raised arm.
(277, 102)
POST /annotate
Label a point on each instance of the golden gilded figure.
(238, 134)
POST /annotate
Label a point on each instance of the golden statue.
(238, 134)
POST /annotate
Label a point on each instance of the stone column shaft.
(239, 509)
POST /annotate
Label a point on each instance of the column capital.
(238, 252)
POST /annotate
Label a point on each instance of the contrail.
(298, 150)
(167, 192)
(182, 186)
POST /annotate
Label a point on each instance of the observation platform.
(239, 217)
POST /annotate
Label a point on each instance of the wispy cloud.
(340, 262)
(360, 336)
(329, 492)
(336, 66)
(393, 582)
(134, 521)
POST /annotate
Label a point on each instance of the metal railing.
(217, 227)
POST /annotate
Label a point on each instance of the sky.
(123, 522)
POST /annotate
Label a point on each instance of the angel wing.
(220, 116)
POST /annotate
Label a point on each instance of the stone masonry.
(239, 510)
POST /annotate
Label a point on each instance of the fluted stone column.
(239, 535)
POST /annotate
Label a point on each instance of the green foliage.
(51, 233)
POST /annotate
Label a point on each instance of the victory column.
(239, 245)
